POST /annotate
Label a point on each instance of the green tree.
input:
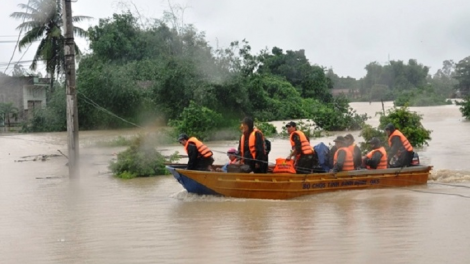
(8, 111)
(42, 21)
(409, 123)
(198, 121)
(462, 74)
(444, 81)
(19, 71)
(465, 108)
(309, 80)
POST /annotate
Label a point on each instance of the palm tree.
(42, 20)
(8, 110)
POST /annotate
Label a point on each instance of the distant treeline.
(406, 83)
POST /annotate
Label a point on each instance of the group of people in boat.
(345, 155)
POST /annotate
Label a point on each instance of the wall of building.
(20, 90)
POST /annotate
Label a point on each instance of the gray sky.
(345, 35)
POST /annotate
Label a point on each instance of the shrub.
(368, 132)
(465, 108)
(265, 127)
(307, 127)
(337, 116)
(139, 159)
(197, 121)
(409, 123)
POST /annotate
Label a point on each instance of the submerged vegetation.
(140, 159)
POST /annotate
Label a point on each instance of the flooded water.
(45, 217)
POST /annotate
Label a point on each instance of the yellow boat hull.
(286, 186)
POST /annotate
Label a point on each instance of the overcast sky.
(345, 35)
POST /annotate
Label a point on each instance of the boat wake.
(449, 176)
(190, 197)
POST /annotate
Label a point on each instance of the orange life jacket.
(233, 161)
(304, 143)
(201, 148)
(251, 145)
(348, 161)
(284, 166)
(352, 147)
(404, 140)
(383, 161)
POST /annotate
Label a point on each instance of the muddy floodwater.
(45, 217)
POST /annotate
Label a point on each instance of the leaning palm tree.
(42, 21)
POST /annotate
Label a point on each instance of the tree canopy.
(141, 73)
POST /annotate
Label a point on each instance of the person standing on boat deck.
(199, 155)
(401, 150)
(343, 158)
(252, 147)
(355, 150)
(377, 158)
(301, 149)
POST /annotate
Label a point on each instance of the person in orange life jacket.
(355, 150)
(401, 150)
(377, 157)
(199, 155)
(233, 159)
(251, 147)
(301, 149)
(343, 158)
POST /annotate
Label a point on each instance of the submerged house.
(25, 93)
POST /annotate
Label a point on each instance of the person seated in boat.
(252, 147)
(343, 158)
(199, 155)
(377, 157)
(331, 156)
(355, 150)
(302, 151)
(233, 159)
(401, 152)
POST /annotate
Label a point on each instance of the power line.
(17, 41)
(91, 102)
(18, 62)
(8, 36)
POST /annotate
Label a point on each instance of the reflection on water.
(47, 218)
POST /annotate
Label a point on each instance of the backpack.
(267, 146)
(323, 155)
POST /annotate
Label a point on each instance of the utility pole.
(71, 93)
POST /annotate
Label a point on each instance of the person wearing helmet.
(377, 157)
(401, 152)
(199, 155)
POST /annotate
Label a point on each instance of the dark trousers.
(304, 164)
(204, 163)
(404, 160)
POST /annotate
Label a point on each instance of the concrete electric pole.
(71, 93)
